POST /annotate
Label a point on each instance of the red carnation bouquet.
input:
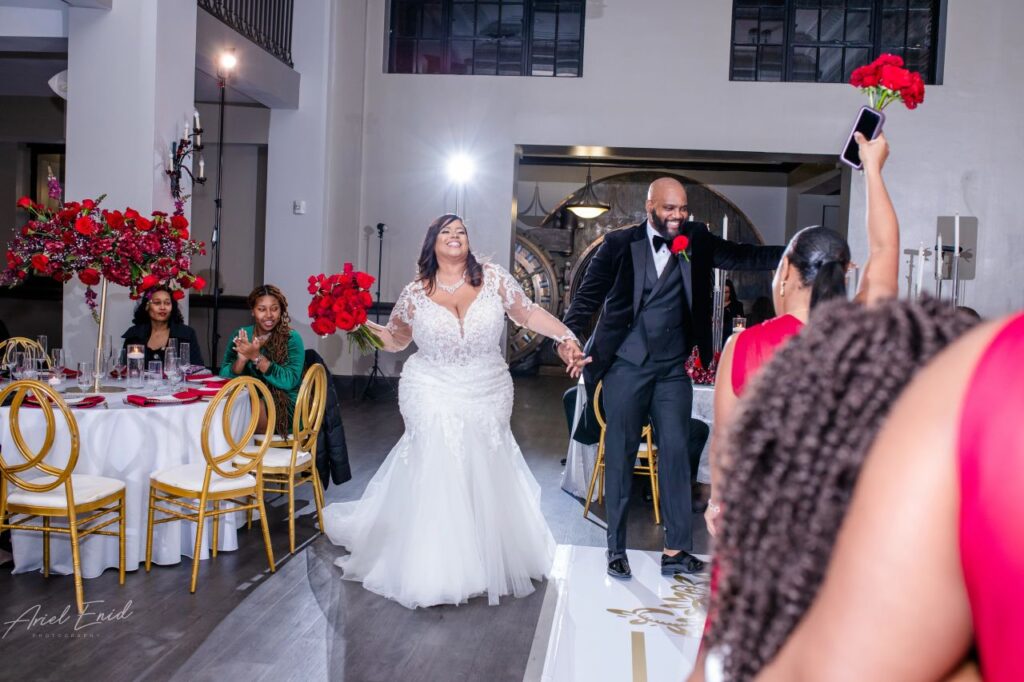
(885, 81)
(125, 247)
(341, 301)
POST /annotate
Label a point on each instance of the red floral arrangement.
(340, 301)
(679, 246)
(885, 80)
(125, 247)
(696, 370)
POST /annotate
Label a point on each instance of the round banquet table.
(129, 443)
(580, 458)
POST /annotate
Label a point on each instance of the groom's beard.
(662, 227)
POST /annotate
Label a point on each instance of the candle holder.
(188, 145)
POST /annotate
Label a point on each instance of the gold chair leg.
(215, 520)
(76, 562)
(318, 498)
(200, 525)
(593, 478)
(149, 529)
(291, 513)
(46, 547)
(653, 475)
(120, 539)
(248, 518)
(266, 530)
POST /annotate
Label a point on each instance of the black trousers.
(631, 392)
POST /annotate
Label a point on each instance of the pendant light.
(587, 205)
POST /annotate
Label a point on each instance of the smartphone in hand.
(869, 124)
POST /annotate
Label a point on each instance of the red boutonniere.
(679, 246)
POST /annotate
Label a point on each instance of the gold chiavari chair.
(44, 491)
(220, 478)
(647, 454)
(17, 344)
(291, 462)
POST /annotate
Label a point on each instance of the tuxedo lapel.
(640, 252)
(687, 270)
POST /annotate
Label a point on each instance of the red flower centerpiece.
(341, 301)
(696, 370)
(886, 81)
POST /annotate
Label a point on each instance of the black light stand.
(222, 83)
(376, 374)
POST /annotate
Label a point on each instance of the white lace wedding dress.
(453, 512)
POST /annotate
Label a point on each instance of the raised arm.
(525, 312)
(397, 334)
(881, 272)
(597, 282)
(732, 256)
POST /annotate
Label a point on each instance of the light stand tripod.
(215, 238)
(376, 374)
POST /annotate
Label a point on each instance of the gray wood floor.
(304, 622)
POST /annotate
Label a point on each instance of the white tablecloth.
(579, 460)
(127, 443)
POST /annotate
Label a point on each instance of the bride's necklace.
(451, 288)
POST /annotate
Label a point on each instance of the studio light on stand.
(225, 67)
(587, 206)
(376, 373)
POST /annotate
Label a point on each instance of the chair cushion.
(277, 459)
(85, 487)
(190, 477)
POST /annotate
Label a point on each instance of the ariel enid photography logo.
(68, 623)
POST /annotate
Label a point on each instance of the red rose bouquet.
(126, 248)
(341, 301)
(885, 81)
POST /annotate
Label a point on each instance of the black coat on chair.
(331, 449)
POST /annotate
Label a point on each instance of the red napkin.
(115, 374)
(84, 403)
(189, 393)
(70, 373)
(201, 375)
(146, 401)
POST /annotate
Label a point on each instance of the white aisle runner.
(647, 629)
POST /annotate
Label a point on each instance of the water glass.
(739, 324)
(84, 376)
(171, 348)
(136, 357)
(155, 375)
(185, 356)
(171, 368)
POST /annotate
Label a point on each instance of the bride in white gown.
(454, 511)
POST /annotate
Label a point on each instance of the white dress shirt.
(661, 255)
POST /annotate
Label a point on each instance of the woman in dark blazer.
(158, 319)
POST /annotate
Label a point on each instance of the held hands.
(574, 359)
(250, 350)
(711, 517)
(873, 153)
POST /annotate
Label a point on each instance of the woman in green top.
(271, 351)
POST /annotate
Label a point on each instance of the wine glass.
(171, 369)
(185, 357)
(120, 365)
(42, 341)
(58, 361)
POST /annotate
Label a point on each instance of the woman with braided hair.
(799, 454)
(269, 350)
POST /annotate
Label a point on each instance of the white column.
(131, 88)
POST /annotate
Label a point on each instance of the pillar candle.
(920, 269)
(725, 227)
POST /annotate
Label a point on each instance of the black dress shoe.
(684, 562)
(619, 568)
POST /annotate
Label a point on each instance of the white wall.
(646, 86)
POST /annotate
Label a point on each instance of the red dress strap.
(991, 461)
(756, 345)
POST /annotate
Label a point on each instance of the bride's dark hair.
(427, 264)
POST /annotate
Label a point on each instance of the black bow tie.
(660, 242)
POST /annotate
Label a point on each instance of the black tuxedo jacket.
(614, 279)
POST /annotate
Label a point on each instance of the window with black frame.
(825, 40)
(494, 38)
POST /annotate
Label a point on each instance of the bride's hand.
(572, 356)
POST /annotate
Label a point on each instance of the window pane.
(406, 19)
(919, 59)
(743, 60)
(428, 57)
(832, 3)
(771, 28)
(567, 58)
(855, 56)
(745, 31)
(894, 26)
(858, 27)
(806, 28)
(569, 22)
(832, 25)
(487, 25)
(485, 59)
(463, 14)
(803, 65)
(543, 63)
(544, 22)
(510, 58)
(894, 3)
(461, 56)
(512, 21)
(403, 56)
(830, 64)
(432, 24)
(919, 29)
(769, 63)
(859, 4)
(922, 4)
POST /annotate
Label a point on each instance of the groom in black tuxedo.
(655, 306)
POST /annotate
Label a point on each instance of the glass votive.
(84, 376)
(136, 359)
(155, 375)
(739, 324)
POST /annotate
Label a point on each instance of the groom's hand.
(572, 356)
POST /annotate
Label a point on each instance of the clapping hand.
(245, 348)
(573, 357)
